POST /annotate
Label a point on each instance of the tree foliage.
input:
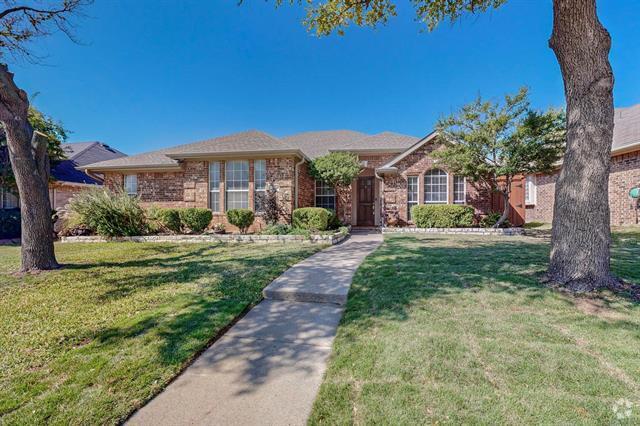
(56, 135)
(325, 17)
(491, 142)
(337, 169)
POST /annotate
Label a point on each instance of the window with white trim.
(530, 190)
(459, 190)
(259, 184)
(8, 200)
(325, 196)
(412, 194)
(435, 187)
(236, 174)
(131, 184)
(214, 186)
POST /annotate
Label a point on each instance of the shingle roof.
(626, 130)
(382, 141)
(311, 144)
(73, 149)
(79, 154)
(249, 141)
(318, 143)
(145, 159)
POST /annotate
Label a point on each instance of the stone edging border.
(332, 239)
(457, 231)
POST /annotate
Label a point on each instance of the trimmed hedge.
(242, 218)
(311, 218)
(442, 216)
(10, 223)
(169, 219)
(195, 219)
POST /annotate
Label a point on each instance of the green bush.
(333, 222)
(10, 223)
(110, 214)
(277, 229)
(161, 219)
(491, 219)
(311, 218)
(242, 218)
(195, 219)
(442, 216)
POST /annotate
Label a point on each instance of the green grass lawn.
(458, 330)
(91, 342)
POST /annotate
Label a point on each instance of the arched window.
(435, 187)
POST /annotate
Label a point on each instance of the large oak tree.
(581, 233)
(20, 24)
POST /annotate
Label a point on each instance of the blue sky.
(155, 73)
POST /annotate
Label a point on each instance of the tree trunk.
(30, 164)
(581, 233)
(507, 207)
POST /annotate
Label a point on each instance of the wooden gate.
(516, 201)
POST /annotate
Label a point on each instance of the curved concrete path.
(266, 370)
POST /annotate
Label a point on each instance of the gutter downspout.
(382, 213)
(295, 186)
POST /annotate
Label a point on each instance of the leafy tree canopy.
(327, 16)
(337, 169)
(56, 135)
(487, 140)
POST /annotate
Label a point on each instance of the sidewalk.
(268, 367)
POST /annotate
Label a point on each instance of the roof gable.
(421, 142)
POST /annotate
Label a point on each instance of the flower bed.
(464, 231)
(332, 239)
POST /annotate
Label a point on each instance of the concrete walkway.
(268, 367)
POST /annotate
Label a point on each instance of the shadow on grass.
(222, 285)
(406, 270)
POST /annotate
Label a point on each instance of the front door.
(365, 201)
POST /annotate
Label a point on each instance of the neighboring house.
(68, 176)
(624, 175)
(234, 171)
(66, 179)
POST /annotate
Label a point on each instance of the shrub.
(10, 223)
(278, 229)
(333, 222)
(491, 219)
(161, 219)
(442, 216)
(195, 219)
(111, 214)
(311, 218)
(242, 218)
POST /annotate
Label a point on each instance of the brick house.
(624, 175)
(237, 170)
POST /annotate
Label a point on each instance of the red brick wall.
(625, 174)
(190, 187)
(306, 187)
(416, 164)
